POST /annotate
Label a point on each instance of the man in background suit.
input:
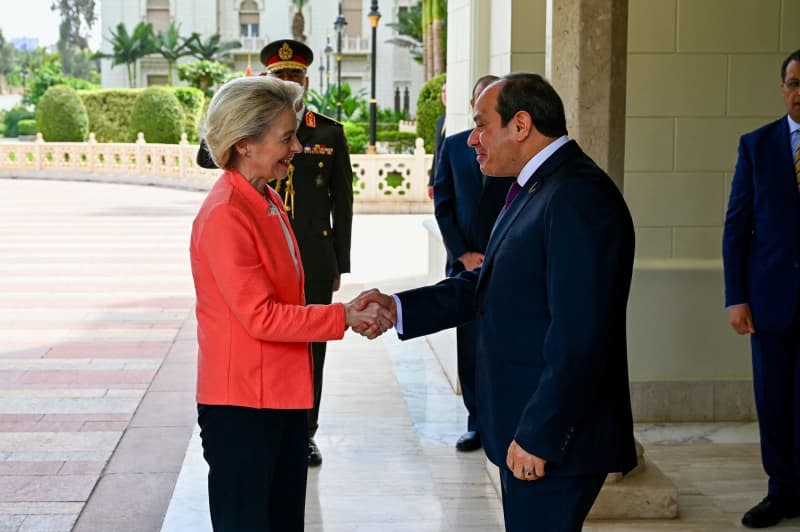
(318, 196)
(466, 206)
(550, 302)
(761, 253)
(438, 137)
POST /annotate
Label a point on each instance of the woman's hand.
(371, 321)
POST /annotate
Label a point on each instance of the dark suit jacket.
(322, 213)
(438, 137)
(761, 240)
(550, 303)
(465, 208)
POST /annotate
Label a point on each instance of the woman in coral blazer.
(254, 376)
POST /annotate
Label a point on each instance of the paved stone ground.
(97, 357)
(94, 289)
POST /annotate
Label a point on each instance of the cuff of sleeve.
(399, 325)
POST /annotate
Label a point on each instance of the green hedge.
(12, 117)
(429, 107)
(61, 115)
(192, 102)
(402, 141)
(158, 114)
(356, 136)
(110, 111)
(26, 126)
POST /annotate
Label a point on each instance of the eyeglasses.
(792, 84)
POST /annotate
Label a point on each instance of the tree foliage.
(203, 74)
(7, 56)
(49, 74)
(213, 49)
(77, 19)
(354, 106)
(429, 107)
(172, 46)
(127, 48)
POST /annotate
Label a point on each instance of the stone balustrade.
(383, 183)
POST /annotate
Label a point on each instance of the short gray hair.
(245, 108)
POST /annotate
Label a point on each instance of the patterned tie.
(797, 158)
(512, 193)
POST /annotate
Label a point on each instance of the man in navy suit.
(761, 253)
(549, 302)
(466, 206)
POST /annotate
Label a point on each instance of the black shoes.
(771, 511)
(469, 441)
(314, 456)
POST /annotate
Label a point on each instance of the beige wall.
(700, 73)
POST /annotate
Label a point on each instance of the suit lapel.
(534, 185)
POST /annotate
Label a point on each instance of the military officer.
(318, 195)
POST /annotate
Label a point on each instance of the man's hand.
(741, 319)
(524, 465)
(371, 321)
(471, 260)
(430, 192)
(387, 312)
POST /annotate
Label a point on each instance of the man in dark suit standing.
(318, 195)
(466, 206)
(761, 253)
(550, 303)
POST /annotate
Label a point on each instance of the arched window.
(248, 19)
(158, 14)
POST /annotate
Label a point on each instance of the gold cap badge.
(285, 52)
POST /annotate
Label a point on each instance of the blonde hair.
(245, 108)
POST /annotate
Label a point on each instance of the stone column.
(586, 61)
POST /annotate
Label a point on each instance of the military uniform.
(318, 195)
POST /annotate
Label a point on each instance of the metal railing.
(382, 183)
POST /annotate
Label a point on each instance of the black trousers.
(258, 467)
(776, 380)
(551, 504)
(466, 339)
(317, 292)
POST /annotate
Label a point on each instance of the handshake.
(371, 314)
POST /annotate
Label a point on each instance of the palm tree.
(434, 36)
(127, 48)
(409, 31)
(438, 25)
(172, 46)
(299, 21)
(212, 49)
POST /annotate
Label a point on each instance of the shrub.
(356, 137)
(2, 129)
(27, 126)
(429, 107)
(12, 118)
(61, 115)
(158, 114)
(109, 113)
(400, 141)
(192, 102)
